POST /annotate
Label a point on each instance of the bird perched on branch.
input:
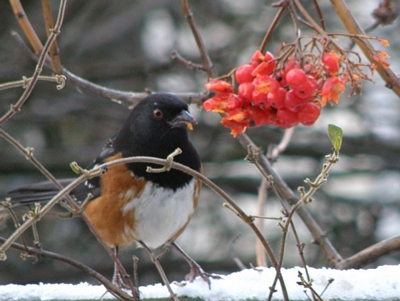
(130, 204)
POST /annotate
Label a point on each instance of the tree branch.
(54, 52)
(113, 289)
(42, 58)
(267, 170)
(370, 254)
(391, 79)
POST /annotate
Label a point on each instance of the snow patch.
(382, 283)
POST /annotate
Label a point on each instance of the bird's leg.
(195, 268)
(120, 274)
(117, 278)
(159, 268)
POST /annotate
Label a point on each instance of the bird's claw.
(119, 281)
(197, 271)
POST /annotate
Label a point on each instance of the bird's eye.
(158, 114)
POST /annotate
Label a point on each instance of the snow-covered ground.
(382, 283)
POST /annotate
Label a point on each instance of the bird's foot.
(118, 280)
(197, 271)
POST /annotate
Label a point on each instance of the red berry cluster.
(283, 98)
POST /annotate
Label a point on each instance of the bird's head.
(158, 121)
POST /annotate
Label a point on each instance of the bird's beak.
(183, 120)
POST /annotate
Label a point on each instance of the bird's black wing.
(107, 151)
(45, 191)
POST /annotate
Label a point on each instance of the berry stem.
(271, 28)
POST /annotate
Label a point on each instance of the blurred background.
(127, 45)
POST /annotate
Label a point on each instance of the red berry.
(243, 74)
(312, 70)
(331, 90)
(270, 115)
(331, 62)
(234, 102)
(286, 118)
(245, 91)
(236, 120)
(280, 77)
(309, 113)
(291, 64)
(294, 103)
(257, 116)
(268, 57)
(257, 58)
(260, 99)
(222, 102)
(265, 68)
(265, 84)
(306, 90)
(277, 98)
(296, 78)
(218, 85)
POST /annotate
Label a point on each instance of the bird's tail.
(43, 192)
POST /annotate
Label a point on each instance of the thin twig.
(48, 21)
(45, 209)
(16, 108)
(370, 254)
(205, 58)
(211, 74)
(246, 218)
(304, 199)
(113, 289)
(177, 57)
(308, 285)
(300, 247)
(7, 205)
(113, 256)
(319, 13)
(160, 270)
(262, 197)
(348, 20)
(288, 195)
(275, 151)
(65, 190)
(122, 97)
(59, 79)
(28, 153)
(26, 26)
(271, 28)
(234, 257)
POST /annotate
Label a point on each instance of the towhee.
(130, 204)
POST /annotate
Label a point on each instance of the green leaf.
(335, 134)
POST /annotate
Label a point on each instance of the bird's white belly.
(159, 213)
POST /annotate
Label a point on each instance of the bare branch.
(156, 262)
(370, 254)
(262, 198)
(15, 108)
(177, 57)
(26, 26)
(267, 170)
(271, 28)
(205, 58)
(54, 52)
(113, 289)
(59, 79)
(391, 79)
